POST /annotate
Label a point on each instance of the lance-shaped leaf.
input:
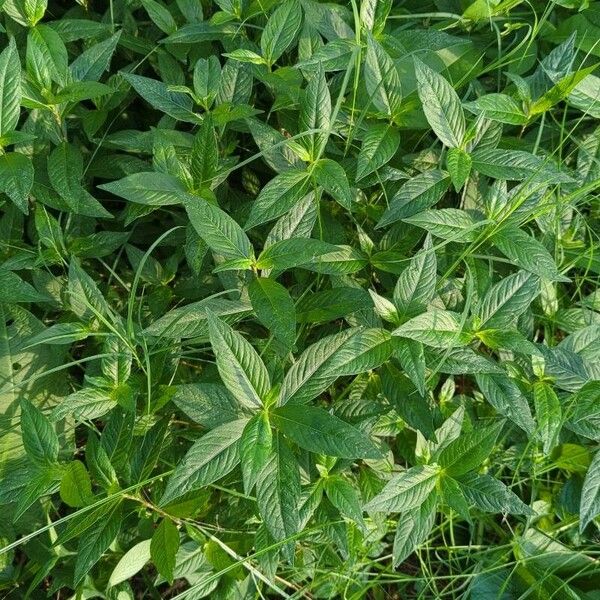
(379, 145)
(256, 445)
(190, 320)
(278, 494)
(241, 368)
(548, 413)
(416, 195)
(95, 542)
(16, 178)
(280, 30)
(405, 491)
(498, 107)
(527, 253)
(346, 353)
(39, 438)
(517, 165)
(490, 495)
(65, 170)
(163, 548)
(415, 287)
(437, 328)
(149, 188)
(93, 62)
(274, 308)
(205, 154)
(413, 528)
(332, 178)
(278, 197)
(175, 104)
(220, 232)
(211, 457)
(469, 450)
(589, 506)
(381, 79)
(506, 397)
(10, 88)
(316, 430)
(506, 300)
(441, 105)
(315, 113)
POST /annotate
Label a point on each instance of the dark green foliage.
(299, 299)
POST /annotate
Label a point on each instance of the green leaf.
(406, 490)
(416, 285)
(246, 56)
(458, 163)
(437, 328)
(13, 289)
(190, 320)
(332, 177)
(131, 563)
(346, 353)
(241, 368)
(158, 95)
(505, 396)
(506, 300)
(46, 58)
(75, 485)
(81, 90)
(274, 308)
(93, 62)
(278, 197)
(527, 253)
(220, 232)
(469, 450)
(336, 303)
(441, 105)
(548, 413)
(280, 30)
(419, 193)
(517, 165)
(205, 154)
(379, 145)
(207, 73)
(316, 430)
(381, 79)
(85, 404)
(590, 494)
(209, 404)
(163, 548)
(65, 170)
(448, 223)
(85, 299)
(10, 88)
(345, 497)
(160, 16)
(94, 543)
(490, 495)
(315, 114)
(256, 445)
(311, 254)
(413, 528)
(39, 438)
(211, 457)
(149, 188)
(278, 494)
(498, 107)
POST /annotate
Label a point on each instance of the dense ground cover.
(299, 299)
